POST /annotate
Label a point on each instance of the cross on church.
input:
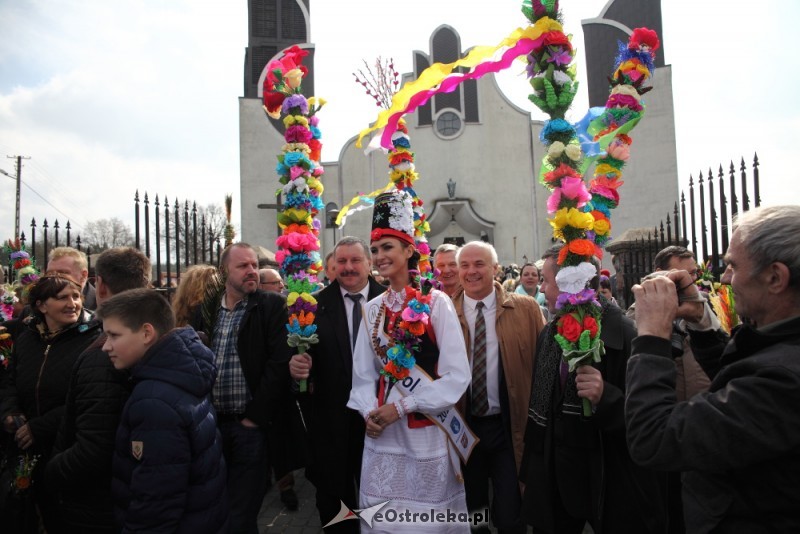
(278, 206)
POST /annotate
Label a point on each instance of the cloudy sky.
(110, 96)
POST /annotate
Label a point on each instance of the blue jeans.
(245, 451)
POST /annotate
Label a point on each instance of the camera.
(676, 340)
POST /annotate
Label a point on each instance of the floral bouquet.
(720, 297)
(23, 473)
(6, 347)
(8, 297)
(414, 319)
(580, 216)
(21, 261)
(299, 173)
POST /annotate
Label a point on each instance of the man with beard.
(248, 338)
(336, 433)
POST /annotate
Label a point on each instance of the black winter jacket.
(80, 468)
(739, 443)
(585, 460)
(169, 474)
(38, 377)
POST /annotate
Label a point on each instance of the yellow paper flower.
(571, 217)
(313, 101)
(305, 297)
(559, 219)
(294, 78)
(580, 219)
(607, 170)
(602, 227)
(315, 184)
(299, 216)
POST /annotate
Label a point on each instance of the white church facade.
(478, 140)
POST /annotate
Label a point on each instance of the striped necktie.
(480, 398)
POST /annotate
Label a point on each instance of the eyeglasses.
(279, 282)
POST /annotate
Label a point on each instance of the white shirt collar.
(489, 301)
(364, 291)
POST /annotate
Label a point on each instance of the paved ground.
(274, 516)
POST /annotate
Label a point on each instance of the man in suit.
(336, 433)
(500, 330)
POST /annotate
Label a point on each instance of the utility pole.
(19, 183)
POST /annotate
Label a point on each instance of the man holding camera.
(738, 444)
(690, 379)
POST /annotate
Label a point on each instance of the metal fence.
(177, 238)
(702, 224)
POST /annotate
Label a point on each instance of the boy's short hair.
(136, 307)
(123, 268)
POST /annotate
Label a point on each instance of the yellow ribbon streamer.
(433, 75)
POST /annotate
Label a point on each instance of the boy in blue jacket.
(169, 474)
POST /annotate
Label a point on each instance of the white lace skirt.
(410, 468)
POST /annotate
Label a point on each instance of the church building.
(465, 142)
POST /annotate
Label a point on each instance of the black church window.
(448, 124)
(264, 18)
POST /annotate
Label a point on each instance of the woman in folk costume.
(410, 362)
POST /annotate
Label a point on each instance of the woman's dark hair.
(47, 287)
(530, 264)
(605, 282)
(413, 266)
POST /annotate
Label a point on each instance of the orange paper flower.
(582, 247)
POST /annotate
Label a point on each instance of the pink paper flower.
(554, 200)
(619, 151)
(297, 134)
(575, 189)
(410, 315)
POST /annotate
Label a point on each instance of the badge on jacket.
(137, 449)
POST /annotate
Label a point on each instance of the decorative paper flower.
(587, 296)
(619, 151)
(555, 149)
(573, 152)
(581, 247)
(569, 327)
(644, 38)
(572, 217)
(574, 279)
(294, 78)
(575, 189)
(590, 324)
(602, 226)
(298, 134)
(553, 177)
(555, 128)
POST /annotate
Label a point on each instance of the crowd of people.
(433, 402)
